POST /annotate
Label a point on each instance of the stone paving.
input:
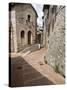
(36, 60)
(34, 71)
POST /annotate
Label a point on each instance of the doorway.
(39, 38)
(29, 38)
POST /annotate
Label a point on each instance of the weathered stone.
(56, 47)
(23, 18)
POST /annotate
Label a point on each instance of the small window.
(22, 34)
(28, 18)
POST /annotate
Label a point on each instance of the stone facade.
(48, 22)
(23, 26)
(54, 31)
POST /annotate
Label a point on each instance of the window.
(22, 34)
(28, 18)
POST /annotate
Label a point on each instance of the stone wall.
(19, 19)
(12, 31)
(48, 22)
(56, 51)
(22, 25)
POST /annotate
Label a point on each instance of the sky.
(39, 10)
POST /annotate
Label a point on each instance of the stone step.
(24, 54)
(20, 48)
(31, 48)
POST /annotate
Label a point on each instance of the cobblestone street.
(36, 59)
(35, 71)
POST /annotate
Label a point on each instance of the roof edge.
(14, 3)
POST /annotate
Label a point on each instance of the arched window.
(28, 18)
(22, 34)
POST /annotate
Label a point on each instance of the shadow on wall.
(23, 74)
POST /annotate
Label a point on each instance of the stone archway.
(29, 37)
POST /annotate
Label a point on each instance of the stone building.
(22, 26)
(54, 36)
(48, 22)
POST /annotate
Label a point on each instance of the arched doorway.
(39, 38)
(22, 36)
(29, 38)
